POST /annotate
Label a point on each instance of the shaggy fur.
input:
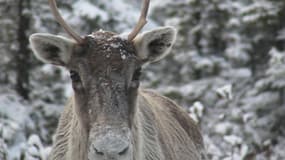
(109, 117)
(162, 130)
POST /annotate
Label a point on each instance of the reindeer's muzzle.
(111, 144)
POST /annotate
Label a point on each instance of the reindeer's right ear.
(52, 49)
(155, 44)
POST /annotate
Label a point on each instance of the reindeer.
(110, 117)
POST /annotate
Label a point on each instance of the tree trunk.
(281, 96)
(22, 57)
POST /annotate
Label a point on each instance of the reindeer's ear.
(156, 44)
(51, 49)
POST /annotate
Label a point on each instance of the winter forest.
(227, 68)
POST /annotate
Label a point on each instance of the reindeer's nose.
(111, 146)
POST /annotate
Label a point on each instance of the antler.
(61, 21)
(142, 21)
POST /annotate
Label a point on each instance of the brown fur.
(163, 131)
(109, 117)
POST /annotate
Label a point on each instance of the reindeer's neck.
(78, 141)
(146, 140)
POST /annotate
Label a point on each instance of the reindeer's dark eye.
(137, 74)
(74, 76)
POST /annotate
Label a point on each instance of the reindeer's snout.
(111, 145)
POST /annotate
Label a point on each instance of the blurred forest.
(227, 68)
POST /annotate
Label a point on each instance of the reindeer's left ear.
(156, 44)
(52, 49)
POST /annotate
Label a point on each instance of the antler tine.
(61, 21)
(142, 21)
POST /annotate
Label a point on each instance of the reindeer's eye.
(137, 74)
(74, 76)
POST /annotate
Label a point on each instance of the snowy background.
(227, 68)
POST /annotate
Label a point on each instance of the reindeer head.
(104, 69)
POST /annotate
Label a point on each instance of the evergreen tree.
(221, 44)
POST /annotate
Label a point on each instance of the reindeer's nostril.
(124, 151)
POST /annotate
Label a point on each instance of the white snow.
(281, 35)
(12, 108)
(3, 148)
(244, 150)
(124, 35)
(196, 111)
(85, 8)
(263, 7)
(247, 117)
(222, 128)
(277, 57)
(123, 56)
(239, 73)
(233, 139)
(115, 45)
(225, 92)
(197, 108)
(35, 148)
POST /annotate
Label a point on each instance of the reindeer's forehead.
(102, 35)
(104, 49)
